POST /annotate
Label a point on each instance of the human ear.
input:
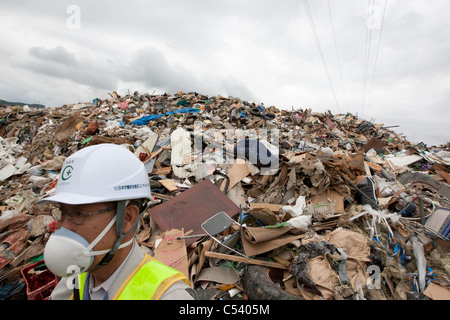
(131, 215)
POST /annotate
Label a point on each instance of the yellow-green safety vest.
(148, 281)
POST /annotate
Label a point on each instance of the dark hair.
(140, 203)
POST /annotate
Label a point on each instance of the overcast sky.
(393, 70)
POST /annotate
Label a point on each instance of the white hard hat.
(101, 173)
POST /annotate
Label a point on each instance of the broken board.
(169, 184)
(148, 145)
(191, 208)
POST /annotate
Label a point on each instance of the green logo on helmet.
(66, 173)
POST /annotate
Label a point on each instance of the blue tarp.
(144, 120)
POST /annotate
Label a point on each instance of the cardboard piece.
(437, 292)
(376, 144)
(238, 172)
(237, 195)
(197, 265)
(252, 168)
(266, 216)
(325, 279)
(329, 196)
(298, 158)
(357, 245)
(173, 252)
(261, 240)
(358, 250)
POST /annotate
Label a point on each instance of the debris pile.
(321, 205)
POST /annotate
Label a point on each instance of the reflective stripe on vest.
(148, 281)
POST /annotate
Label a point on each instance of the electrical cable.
(355, 51)
(367, 55)
(319, 47)
(337, 54)
(376, 56)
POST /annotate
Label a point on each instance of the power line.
(367, 55)
(376, 56)
(337, 53)
(319, 47)
(355, 51)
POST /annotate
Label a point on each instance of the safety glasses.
(75, 216)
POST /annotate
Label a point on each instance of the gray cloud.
(258, 50)
(60, 63)
(151, 67)
(57, 55)
(148, 66)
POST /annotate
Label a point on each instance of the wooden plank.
(161, 171)
(445, 175)
(244, 260)
(169, 184)
(162, 196)
(374, 166)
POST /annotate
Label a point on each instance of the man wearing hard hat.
(101, 186)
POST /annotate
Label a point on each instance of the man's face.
(92, 225)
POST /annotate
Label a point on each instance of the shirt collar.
(99, 292)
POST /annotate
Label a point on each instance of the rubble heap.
(323, 206)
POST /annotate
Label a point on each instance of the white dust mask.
(66, 249)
